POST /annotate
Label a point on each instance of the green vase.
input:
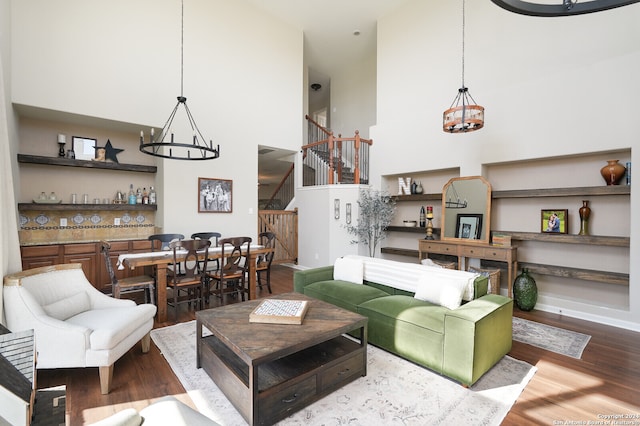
(525, 291)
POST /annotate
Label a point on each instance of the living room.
(552, 89)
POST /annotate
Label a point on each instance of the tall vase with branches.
(376, 210)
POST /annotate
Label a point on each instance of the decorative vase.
(419, 188)
(525, 291)
(613, 172)
(414, 185)
(585, 212)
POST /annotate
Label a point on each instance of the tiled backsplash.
(47, 227)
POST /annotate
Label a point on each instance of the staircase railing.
(284, 193)
(329, 160)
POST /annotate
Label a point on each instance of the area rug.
(554, 339)
(394, 391)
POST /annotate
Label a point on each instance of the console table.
(469, 250)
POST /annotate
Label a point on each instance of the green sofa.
(461, 343)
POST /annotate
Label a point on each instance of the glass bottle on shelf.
(139, 196)
(145, 196)
(152, 196)
(132, 195)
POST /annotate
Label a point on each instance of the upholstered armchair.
(75, 324)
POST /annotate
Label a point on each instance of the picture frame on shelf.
(554, 221)
(215, 195)
(469, 226)
(84, 148)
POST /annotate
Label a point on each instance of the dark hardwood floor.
(604, 382)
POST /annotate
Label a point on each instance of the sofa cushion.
(342, 293)
(441, 290)
(111, 326)
(347, 269)
(69, 306)
(406, 309)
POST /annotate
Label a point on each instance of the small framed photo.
(469, 226)
(84, 148)
(554, 221)
(214, 195)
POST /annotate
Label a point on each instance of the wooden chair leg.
(106, 376)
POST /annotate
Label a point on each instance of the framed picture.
(214, 195)
(554, 221)
(469, 226)
(84, 148)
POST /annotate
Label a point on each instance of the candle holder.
(61, 152)
(429, 223)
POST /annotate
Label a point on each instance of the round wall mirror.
(466, 209)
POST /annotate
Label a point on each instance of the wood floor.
(604, 382)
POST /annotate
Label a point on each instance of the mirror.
(466, 209)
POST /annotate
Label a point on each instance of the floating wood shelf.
(567, 272)
(59, 161)
(599, 240)
(564, 192)
(418, 197)
(86, 207)
(412, 229)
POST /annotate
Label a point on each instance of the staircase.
(332, 160)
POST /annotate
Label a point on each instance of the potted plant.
(376, 210)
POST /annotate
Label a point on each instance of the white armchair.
(75, 324)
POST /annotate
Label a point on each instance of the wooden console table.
(465, 251)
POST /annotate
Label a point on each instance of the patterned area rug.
(394, 391)
(558, 340)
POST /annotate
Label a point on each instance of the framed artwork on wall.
(554, 221)
(469, 226)
(84, 148)
(215, 195)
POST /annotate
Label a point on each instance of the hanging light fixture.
(464, 115)
(164, 144)
(561, 8)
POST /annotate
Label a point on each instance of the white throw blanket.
(405, 276)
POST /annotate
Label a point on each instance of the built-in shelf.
(86, 207)
(599, 240)
(418, 197)
(412, 229)
(564, 192)
(67, 162)
(567, 272)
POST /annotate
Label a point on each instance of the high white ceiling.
(329, 25)
(329, 43)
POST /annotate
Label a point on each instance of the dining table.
(161, 259)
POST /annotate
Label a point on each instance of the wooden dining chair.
(213, 237)
(121, 286)
(190, 281)
(232, 276)
(164, 239)
(263, 264)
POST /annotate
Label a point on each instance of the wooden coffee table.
(269, 371)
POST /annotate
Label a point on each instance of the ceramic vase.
(419, 189)
(613, 172)
(525, 291)
(585, 212)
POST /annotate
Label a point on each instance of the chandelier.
(464, 115)
(563, 8)
(164, 144)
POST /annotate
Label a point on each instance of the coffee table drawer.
(342, 371)
(287, 400)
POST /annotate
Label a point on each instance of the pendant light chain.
(182, 53)
(463, 2)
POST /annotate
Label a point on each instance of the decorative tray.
(47, 201)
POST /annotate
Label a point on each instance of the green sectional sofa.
(461, 342)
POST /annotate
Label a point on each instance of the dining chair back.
(263, 264)
(187, 285)
(121, 286)
(213, 237)
(232, 276)
(165, 240)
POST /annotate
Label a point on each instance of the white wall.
(551, 88)
(243, 77)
